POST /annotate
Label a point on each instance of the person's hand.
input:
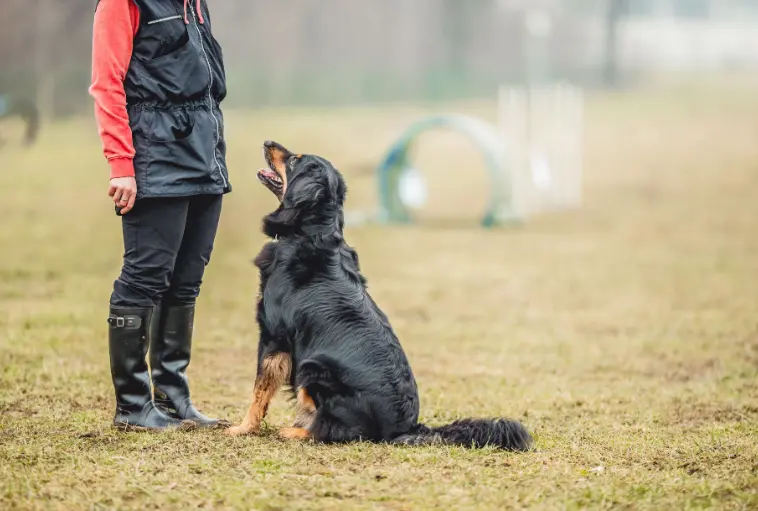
(123, 191)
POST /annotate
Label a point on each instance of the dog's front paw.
(241, 430)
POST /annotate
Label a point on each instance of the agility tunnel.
(533, 157)
(398, 189)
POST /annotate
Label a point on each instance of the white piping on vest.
(210, 99)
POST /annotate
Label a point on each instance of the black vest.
(174, 86)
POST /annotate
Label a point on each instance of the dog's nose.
(269, 143)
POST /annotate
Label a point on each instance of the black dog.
(322, 333)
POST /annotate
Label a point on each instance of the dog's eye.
(293, 160)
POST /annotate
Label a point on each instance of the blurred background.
(403, 61)
(339, 52)
(621, 330)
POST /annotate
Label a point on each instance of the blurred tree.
(615, 12)
(692, 8)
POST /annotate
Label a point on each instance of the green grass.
(622, 334)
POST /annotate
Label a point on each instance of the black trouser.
(167, 245)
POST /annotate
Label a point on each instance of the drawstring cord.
(199, 10)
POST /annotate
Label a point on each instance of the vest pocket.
(178, 75)
(180, 151)
(169, 48)
(161, 37)
(171, 125)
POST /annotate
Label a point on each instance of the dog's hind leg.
(273, 372)
(294, 433)
(306, 409)
(306, 414)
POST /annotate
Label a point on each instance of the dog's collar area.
(324, 238)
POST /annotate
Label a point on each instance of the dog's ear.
(301, 196)
(337, 186)
(281, 222)
(306, 194)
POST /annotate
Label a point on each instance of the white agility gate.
(543, 133)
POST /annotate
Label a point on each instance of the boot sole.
(219, 424)
(133, 428)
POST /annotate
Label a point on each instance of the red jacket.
(116, 24)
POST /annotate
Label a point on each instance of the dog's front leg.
(273, 372)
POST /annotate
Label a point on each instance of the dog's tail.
(475, 433)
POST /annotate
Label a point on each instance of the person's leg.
(171, 348)
(152, 233)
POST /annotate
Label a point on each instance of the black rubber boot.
(170, 351)
(127, 339)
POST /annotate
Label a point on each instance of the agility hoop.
(396, 165)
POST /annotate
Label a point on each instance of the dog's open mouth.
(274, 177)
(271, 179)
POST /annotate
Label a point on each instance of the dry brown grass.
(623, 335)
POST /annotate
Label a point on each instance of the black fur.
(503, 433)
(314, 305)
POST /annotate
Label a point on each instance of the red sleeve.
(116, 24)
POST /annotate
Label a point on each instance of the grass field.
(623, 334)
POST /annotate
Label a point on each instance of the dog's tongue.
(268, 173)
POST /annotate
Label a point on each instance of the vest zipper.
(167, 18)
(210, 97)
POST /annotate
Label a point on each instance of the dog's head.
(311, 192)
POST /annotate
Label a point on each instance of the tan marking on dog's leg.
(275, 371)
(306, 409)
(294, 433)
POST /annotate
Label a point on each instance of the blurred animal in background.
(24, 108)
